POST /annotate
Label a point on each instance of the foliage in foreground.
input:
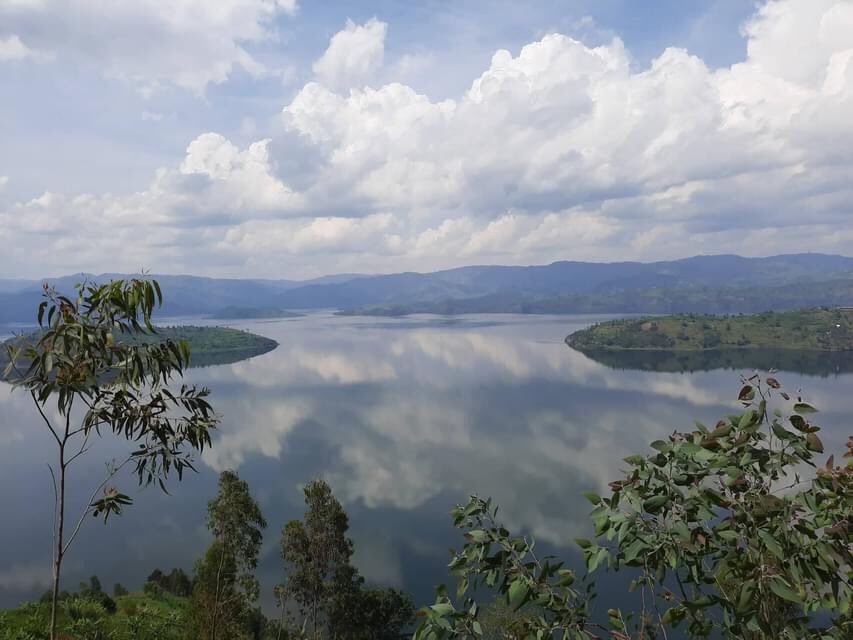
(224, 586)
(324, 585)
(138, 617)
(85, 382)
(723, 534)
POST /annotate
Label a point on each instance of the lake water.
(404, 418)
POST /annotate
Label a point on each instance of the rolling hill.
(719, 284)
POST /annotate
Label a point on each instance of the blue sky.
(283, 138)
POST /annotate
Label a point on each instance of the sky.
(297, 138)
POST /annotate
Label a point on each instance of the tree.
(754, 550)
(317, 554)
(88, 366)
(224, 586)
(176, 582)
(375, 613)
(326, 587)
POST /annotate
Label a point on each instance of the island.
(253, 313)
(813, 341)
(208, 345)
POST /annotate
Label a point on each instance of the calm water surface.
(404, 418)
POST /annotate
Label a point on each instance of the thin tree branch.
(55, 506)
(88, 508)
(45, 418)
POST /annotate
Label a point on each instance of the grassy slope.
(163, 608)
(810, 330)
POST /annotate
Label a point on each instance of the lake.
(404, 418)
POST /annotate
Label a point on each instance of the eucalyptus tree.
(317, 554)
(95, 368)
(225, 587)
(722, 528)
(326, 587)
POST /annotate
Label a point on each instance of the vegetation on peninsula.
(807, 330)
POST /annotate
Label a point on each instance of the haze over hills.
(722, 283)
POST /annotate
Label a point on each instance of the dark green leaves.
(746, 393)
(804, 408)
(783, 590)
(111, 503)
(655, 503)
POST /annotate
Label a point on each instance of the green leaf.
(477, 535)
(772, 544)
(804, 408)
(780, 432)
(799, 422)
(748, 419)
(592, 497)
(781, 589)
(443, 608)
(517, 593)
(595, 557)
(660, 445)
(728, 535)
(746, 393)
(654, 503)
(635, 549)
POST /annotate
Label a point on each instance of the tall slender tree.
(88, 373)
(225, 586)
(326, 587)
(317, 553)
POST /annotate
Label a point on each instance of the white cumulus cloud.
(12, 49)
(354, 55)
(559, 150)
(148, 43)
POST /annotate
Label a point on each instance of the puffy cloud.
(185, 43)
(353, 56)
(12, 49)
(561, 150)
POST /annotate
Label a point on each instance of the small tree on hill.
(326, 587)
(86, 376)
(225, 586)
(317, 552)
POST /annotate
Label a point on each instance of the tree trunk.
(217, 593)
(60, 526)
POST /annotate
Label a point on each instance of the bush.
(81, 609)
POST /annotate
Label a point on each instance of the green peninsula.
(816, 330)
(212, 345)
(208, 345)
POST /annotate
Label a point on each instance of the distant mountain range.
(723, 283)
